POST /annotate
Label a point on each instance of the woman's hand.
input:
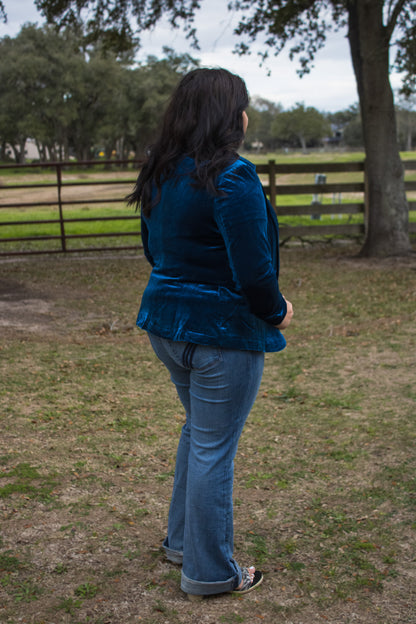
(286, 321)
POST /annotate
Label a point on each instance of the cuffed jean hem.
(175, 556)
(203, 588)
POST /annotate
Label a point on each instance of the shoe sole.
(257, 581)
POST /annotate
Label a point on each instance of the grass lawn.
(325, 490)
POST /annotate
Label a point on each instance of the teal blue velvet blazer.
(215, 263)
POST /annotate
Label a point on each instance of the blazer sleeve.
(145, 240)
(241, 216)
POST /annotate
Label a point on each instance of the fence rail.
(272, 175)
(60, 184)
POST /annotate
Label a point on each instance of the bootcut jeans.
(217, 388)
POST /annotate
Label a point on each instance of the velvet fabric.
(215, 263)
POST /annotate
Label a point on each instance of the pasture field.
(19, 218)
(325, 489)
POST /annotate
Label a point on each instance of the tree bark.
(302, 141)
(19, 151)
(388, 212)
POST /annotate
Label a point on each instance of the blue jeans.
(217, 388)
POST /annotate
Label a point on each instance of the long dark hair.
(203, 120)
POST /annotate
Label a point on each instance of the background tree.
(77, 100)
(347, 125)
(55, 62)
(302, 25)
(39, 69)
(371, 24)
(301, 126)
(353, 133)
(406, 121)
(13, 102)
(24, 79)
(95, 95)
(406, 60)
(261, 114)
(148, 90)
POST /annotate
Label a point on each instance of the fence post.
(61, 214)
(272, 182)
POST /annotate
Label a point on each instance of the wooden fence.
(272, 174)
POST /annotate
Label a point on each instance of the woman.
(212, 307)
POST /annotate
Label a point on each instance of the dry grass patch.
(325, 490)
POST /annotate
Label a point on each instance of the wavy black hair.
(203, 120)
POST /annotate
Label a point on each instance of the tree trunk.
(66, 147)
(19, 152)
(16, 153)
(39, 148)
(388, 212)
(302, 141)
(409, 132)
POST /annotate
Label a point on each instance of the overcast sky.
(329, 87)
